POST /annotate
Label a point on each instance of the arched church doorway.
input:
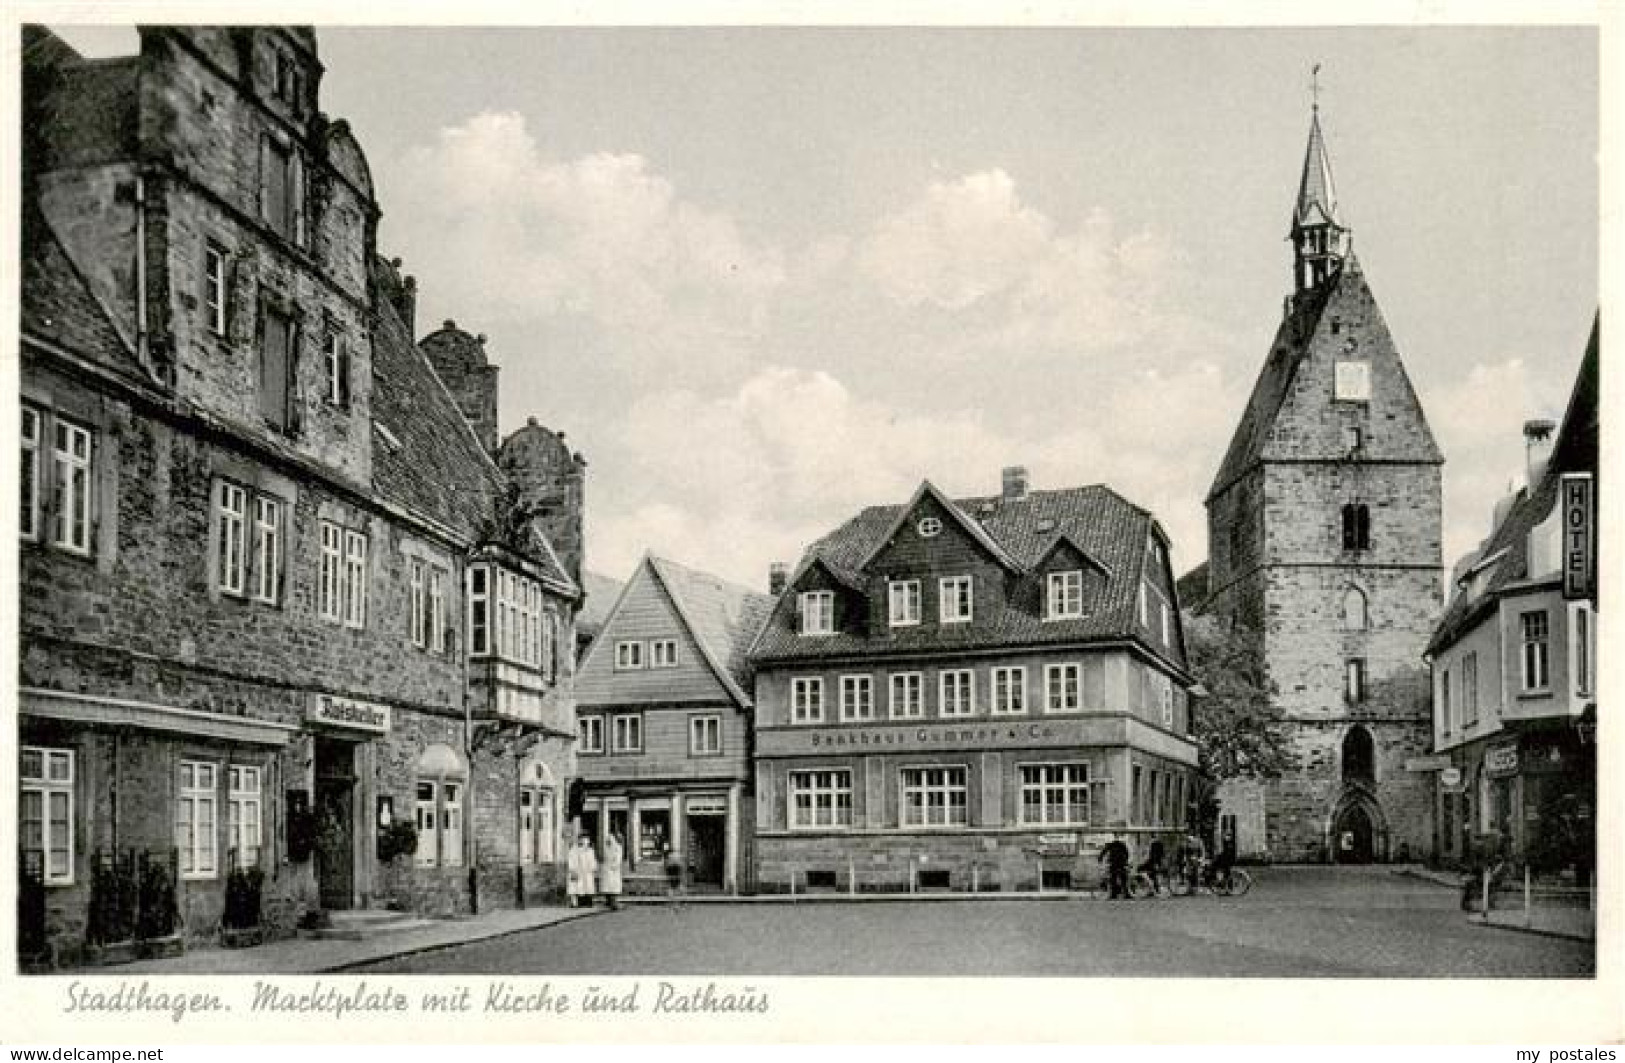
(1354, 837)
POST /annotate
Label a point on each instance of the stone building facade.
(1324, 544)
(972, 695)
(251, 525)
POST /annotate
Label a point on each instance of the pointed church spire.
(1320, 241)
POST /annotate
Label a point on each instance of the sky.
(763, 277)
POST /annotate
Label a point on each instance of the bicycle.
(1235, 881)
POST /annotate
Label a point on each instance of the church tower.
(1324, 545)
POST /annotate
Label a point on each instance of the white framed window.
(628, 656)
(440, 790)
(451, 823)
(244, 813)
(355, 579)
(1469, 688)
(1065, 597)
(807, 699)
(903, 602)
(28, 480)
(955, 599)
(1167, 624)
(956, 692)
(1009, 691)
(591, 732)
(231, 557)
(705, 735)
(332, 600)
(1536, 658)
(214, 287)
(70, 496)
(1063, 687)
(935, 797)
(1055, 794)
(819, 798)
(907, 695)
(437, 610)
(626, 730)
(536, 825)
(479, 611)
(196, 804)
(1165, 699)
(336, 363)
(663, 653)
(817, 612)
(857, 698)
(267, 553)
(46, 810)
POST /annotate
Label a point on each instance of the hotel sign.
(354, 715)
(1579, 538)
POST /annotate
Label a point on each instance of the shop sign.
(1451, 779)
(934, 736)
(331, 711)
(706, 806)
(1058, 844)
(1579, 567)
(1437, 762)
(1502, 760)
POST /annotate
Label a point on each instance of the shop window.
(1536, 650)
(441, 777)
(196, 805)
(935, 797)
(1009, 691)
(47, 810)
(857, 698)
(1055, 794)
(244, 816)
(821, 879)
(820, 798)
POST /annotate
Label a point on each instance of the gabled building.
(1324, 546)
(1515, 661)
(250, 516)
(664, 720)
(971, 694)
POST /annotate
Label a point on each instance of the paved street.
(1296, 922)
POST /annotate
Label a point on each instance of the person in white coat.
(583, 872)
(609, 870)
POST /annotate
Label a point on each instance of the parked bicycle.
(1203, 876)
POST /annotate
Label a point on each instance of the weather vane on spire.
(1314, 85)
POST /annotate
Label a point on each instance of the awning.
(97, 711)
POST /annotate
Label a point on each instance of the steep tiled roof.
(723, 617)
(1108, 528)
(427, 459)
(1508, 544)
(57, 305)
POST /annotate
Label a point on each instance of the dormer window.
(903, 598)
(818, 612)
(954, 600)
(1065, 594)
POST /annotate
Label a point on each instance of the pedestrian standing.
(674, 876)
(583, 872)
(1115, 856)
(609, 871)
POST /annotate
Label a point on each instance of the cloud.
(602, 237)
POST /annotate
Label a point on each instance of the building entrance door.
(1353, 837)
(335, 822)
(707, 849)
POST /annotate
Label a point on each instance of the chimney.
(778, 575)
(1015, 483)
(1537, 447)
